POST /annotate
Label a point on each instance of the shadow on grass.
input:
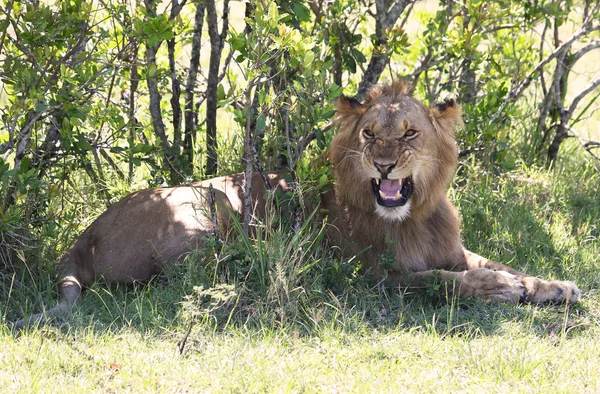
(506, 224)
(157, 309)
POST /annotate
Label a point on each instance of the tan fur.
(426, 244)
(137, 236)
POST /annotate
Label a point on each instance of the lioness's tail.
(70, 290)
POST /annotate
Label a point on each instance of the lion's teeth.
(378, 181)
(382, 195)
(397, 196)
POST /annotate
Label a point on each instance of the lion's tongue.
(391, 187)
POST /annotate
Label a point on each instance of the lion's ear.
(448, 114)
(348, 107)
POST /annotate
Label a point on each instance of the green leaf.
(323, 180)
(141, 148)
(220, 92)
(24, 165)
(261, 123)
(301, 12)
(40, 107)
(152, 70)
(308, 58)
(83, 145)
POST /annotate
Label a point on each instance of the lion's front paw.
(540, 291)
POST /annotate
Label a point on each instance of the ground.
(327, 329)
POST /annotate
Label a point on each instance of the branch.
(591, 46)
(175, 95)
(587, 145)
(213, 212)
(217, 40)
(303, 142)
(426, 63)
(176, 8)
(515, 94)
(506, 99)
(589, 88)
(151, 80)
(189, 116)
(394, 13)
(7, 12)
(316, 9)
(384, 20)
(154, 107)
(248, 155)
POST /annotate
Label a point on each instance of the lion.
(393, 159)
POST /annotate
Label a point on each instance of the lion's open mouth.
(392, 192)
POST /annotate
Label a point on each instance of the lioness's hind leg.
(70, 290)
(500, 286)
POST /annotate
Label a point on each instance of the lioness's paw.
(549, 292)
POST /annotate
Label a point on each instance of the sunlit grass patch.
(277, 311)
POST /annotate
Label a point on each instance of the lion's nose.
(384, 168)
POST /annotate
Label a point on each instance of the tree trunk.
(559, 137)
(385, 18)
(189, 138)
(175, 95)
(216, 48)
(248, 159)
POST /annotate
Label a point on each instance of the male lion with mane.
(393, 160)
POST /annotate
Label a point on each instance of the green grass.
(302, 321)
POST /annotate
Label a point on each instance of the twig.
(587, 145)
(514, 94)
(303, 142)
(213, 212)
(187, 334)
(261, 169)
(507, 98)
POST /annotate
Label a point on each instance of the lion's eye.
(368, 133)
(410, 134)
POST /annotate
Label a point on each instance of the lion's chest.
(409, 245)
(395, 248)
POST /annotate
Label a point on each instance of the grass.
(303, 321)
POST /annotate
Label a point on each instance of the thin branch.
(261, 169)
(589, 47)
(175, 96)
(394, 12)
(190, 115)
(516, 93)
(589, 88)
(151, 80)
(176, 8)
(317, 9)
(248, 156)
(588, 145)
(311, 136)
(541, 51)
(213, 212)
(7, 12)
(385, 19)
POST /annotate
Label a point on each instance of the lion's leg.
(499, 286)
(475, 261)
(538, 290)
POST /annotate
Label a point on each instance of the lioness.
(393, 160)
